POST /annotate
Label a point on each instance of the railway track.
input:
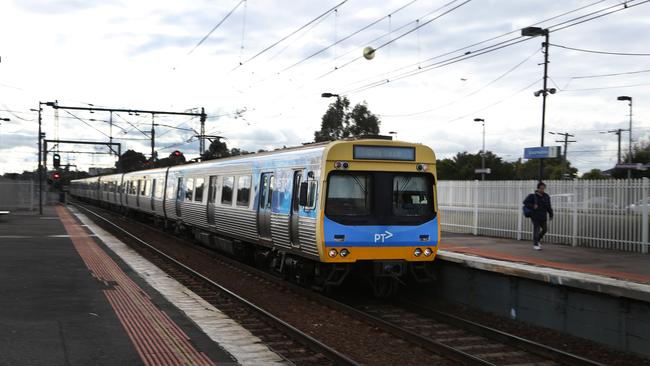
(290, 343)
(451, 337)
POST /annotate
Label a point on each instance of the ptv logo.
(382, 237)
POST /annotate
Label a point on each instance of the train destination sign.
(542, 152)
(384, 153)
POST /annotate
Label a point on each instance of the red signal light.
(56, 176)
(177, 153)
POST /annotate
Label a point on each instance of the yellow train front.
(378, 210)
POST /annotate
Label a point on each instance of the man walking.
(539, 204)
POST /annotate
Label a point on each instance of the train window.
(243, 190)
(158, 188)
(311, 195)
(133, 189)
(198, 195)
(147, 188)
(189, 189)
(412, 195)
(226, 190)
(349, 194)
(141, 187)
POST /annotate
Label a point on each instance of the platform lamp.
(629, 157)
(482, 121)
(534, 32)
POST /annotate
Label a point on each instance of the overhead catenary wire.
(215, 27)
(290, 34)
(343, 39)
(492, 48)
(483, 41)
(392, 40)
(599, 52)
(503, 75)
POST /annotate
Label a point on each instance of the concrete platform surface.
(621, 265)
(67, 300)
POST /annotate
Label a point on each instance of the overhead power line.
(403, 34)
(290, 34)
(517, 31)
(215, 27)
(349, 36)
(599, 52)
(495, 47)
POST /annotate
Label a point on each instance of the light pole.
(483, 149)
(629, 156)
(534, 32)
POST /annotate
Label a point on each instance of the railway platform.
(613, 272)
(68, 298)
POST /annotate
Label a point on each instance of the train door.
(267, 182)
(179, 196)
(294, 217)
(212, 196)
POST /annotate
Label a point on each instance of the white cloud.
(134, 55)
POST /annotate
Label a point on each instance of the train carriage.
(314, 212)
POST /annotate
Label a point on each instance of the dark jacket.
(543, 206)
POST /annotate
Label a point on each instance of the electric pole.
(566, 141)
(618, 132)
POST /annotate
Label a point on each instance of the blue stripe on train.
(380, 236)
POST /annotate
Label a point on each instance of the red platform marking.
(157, 339)
(626, 276)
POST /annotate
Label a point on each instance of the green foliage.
(640, 154)
(340, 122)
(594, 174)
(219, 149)
(462, 166)
(131, 160)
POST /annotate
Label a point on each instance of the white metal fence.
(608, 214)
(23, 195)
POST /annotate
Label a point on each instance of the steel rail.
(304, 338)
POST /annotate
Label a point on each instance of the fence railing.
(608, 214)
(23, 195)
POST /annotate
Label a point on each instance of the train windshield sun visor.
(379, 198)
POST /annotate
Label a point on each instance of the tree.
(553, 169)
(362, 121)
(640, 154)
(131, 160)
(334, 121)
(218, 149)
(339, 122)
(594, 174)
(462, 166)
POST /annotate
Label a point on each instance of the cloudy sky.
(261, 89)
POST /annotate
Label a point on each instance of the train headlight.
(428, 252)
(421, 167)
(333, 253)
(417, 252)
(344, 252)
(341, 165)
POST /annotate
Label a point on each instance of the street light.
(483, 149)
(534, 32)
(329, 95)
(629, 157)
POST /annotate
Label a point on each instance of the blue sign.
(542, 152)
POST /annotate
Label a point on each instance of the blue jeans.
(539, 229)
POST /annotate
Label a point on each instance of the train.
(314, 213)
